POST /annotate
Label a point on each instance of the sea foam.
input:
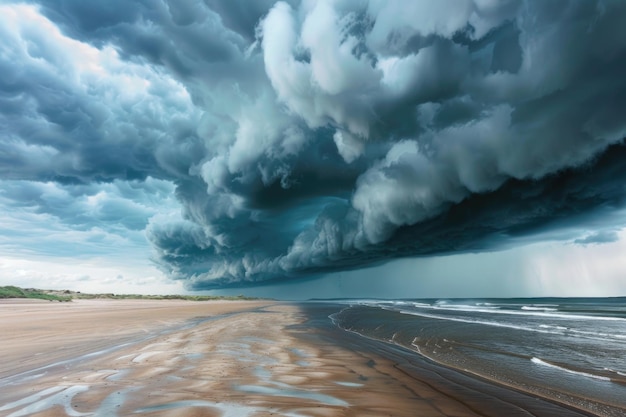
(570, 371)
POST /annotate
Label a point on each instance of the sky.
(298, 149)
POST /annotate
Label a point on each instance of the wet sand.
(180, 358)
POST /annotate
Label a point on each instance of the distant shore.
(237, 358)
(14, 292)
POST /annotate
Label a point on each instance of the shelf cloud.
(302, 137)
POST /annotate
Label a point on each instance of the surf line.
(551, 365)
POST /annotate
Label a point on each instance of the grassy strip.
(16, 292)
(160, 297)
(52, 295)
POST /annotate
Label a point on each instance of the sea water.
(572, 350)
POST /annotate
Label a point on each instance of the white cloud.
(348, 146)
(88, 275)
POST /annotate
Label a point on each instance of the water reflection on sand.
(238, 374)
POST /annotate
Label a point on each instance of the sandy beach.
(227, 358)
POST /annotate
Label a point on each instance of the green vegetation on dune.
(159, 297)
(16, 292)
(54, 295)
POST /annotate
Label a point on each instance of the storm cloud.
(302, 137)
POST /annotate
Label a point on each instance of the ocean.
(569, 350)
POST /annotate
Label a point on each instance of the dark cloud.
(105, 221)
(605, 236)
(317, 136)
(80, 114)
(125, 205)
(241, 16)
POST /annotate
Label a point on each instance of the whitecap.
(570, 371)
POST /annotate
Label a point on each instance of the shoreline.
(501, 373)
(232, 358)
(482, 395)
